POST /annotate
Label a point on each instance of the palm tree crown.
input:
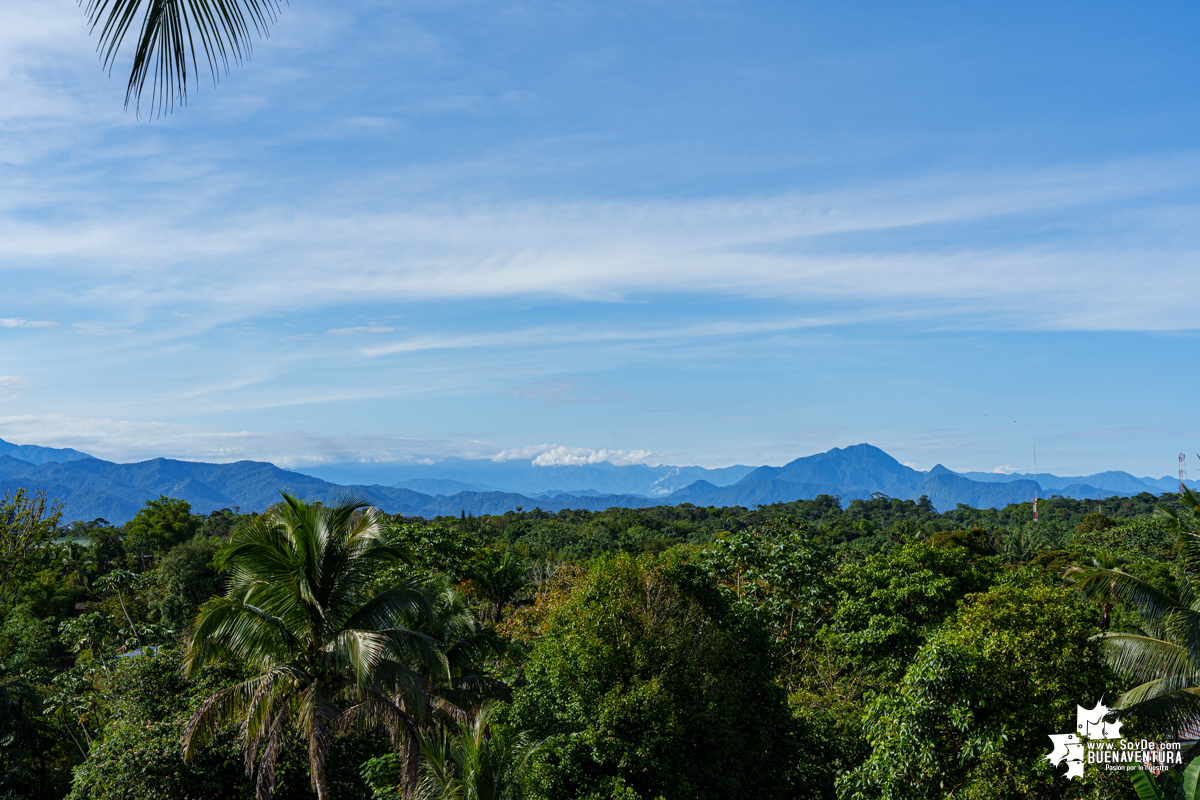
(301, 615)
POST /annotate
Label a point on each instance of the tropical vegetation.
(877, 649)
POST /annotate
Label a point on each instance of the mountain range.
(91, 488)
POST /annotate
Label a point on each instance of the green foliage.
(27, 523)
(1136, 538)
(384, 775)
(186, 578)
(158, 527)
(1094, 523)
(644, 673)
(432, 548)
(1046, 567)
(26, 752)
(651, 648)
(1168, 785)
(137, 755)
(221, 524)
(1162, 655)
(774, 572)
(887, 605)
(975, 541)
(497, 579)
(107, 544)
(973, 712)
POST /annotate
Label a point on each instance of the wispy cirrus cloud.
(98, 329)
(556, 392)
(362, 329)
(17, 322)
(135, 440)
(12, 387)
(872, 248)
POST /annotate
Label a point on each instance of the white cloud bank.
(556, 455)
(127, 441)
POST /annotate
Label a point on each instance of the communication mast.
(1035, 484)
(1182, 474)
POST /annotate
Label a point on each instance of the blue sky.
(703, 232)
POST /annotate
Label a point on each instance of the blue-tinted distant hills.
(443, 487)
(39, 455)
(859, 471)
(523, 477)
(91, 488)
(1113, 481)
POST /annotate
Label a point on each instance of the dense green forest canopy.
(879, 649)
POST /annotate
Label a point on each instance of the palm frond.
(1169, 707)
(265, 785)
(168, 33)
(358, 653)
(1146, 659)
(396, 605)
(1107, 585)
(223, 708)
(229, 627)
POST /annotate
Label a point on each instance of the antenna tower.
(1182, 474)
(1035, 484)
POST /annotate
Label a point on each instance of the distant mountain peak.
(36, 454)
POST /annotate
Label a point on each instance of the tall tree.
(158, 527)
(300, 613)
(498, 579)
(27, 523)
(645, 677)
(971, 716)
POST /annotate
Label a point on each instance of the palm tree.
(466, 642)
(498, 580)
(1164, 655)
(168, 34)
(300, 613)
(440, 696)
(1099, 565)
(476, 763)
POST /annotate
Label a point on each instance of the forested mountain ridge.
(91, 488)
(39, 455)
(859, 471)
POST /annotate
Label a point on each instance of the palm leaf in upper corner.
(1146, 659)
(1167, 706)
(1108, 585)
(169, 33)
